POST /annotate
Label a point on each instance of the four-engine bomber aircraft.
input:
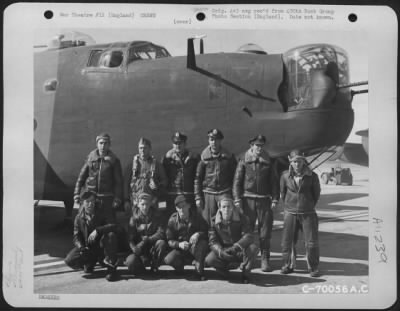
(298, 99)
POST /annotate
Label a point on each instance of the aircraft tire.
(325, 178)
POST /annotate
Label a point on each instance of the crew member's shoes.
(88, 268)
(222, 272)
(265, 264)
(286, 270)
(154, 269)
(315, 273)
(200, 276)
(111, 274)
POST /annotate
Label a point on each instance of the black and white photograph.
(195, 153)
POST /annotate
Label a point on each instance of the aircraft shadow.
(331, 244)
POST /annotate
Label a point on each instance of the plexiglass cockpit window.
(303, 64)
(148, 51)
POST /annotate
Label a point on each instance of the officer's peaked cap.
(259, 139)
(178, 137)
(216, 134)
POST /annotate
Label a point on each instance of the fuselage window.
(111, 59)
(146, 52)
(94, 58)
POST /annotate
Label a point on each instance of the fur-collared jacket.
(179, 231)
(300, 198)
(222, 235)
(83, 228)
(256, 177)
(101, 175)
(181, 171)
(214, 173)
(149, 225)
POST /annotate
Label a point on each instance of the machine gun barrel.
(341, 86)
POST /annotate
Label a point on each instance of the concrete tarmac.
(343, 238)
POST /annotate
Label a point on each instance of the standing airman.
(180, 165)
(102, 174)
(214, 175)
(143, 174)
(300, 192)
(255, 186)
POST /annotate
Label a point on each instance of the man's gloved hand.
(184, 245)
(84, 252)
(225, 255)
(194, 238)
(200, 203)
(234, 250)
(92, 237)
(116, 203)
(152, 185)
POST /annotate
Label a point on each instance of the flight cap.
(144, 141)
(178, 137)
(296, 154)
(259, 139)
(225, 197)
(145, 196)
(104, 136)
(180, 199)
(216, 134)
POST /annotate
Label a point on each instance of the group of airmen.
(214, 204)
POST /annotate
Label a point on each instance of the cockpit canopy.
(305, 65)
(121, 53)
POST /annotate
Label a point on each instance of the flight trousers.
(106, 249)
(178, 258)
(245, 260)
(152, 255)
(292, 224)
(259, 209)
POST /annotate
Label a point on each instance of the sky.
(272, 41)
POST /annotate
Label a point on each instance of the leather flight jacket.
(181, 171)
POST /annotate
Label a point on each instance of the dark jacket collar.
(94, 155)
(306, 171)
(174, 155)
(207, 154)
(138, 214)
(250, 157)
(218, 217)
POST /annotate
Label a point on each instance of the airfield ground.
(343, 214)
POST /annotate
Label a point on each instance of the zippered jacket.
(179, 231)
(237, 231)
(101, 175)
(255, 177)
(301, 198)
(145, 225)
(214, 173)
(181, 171)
